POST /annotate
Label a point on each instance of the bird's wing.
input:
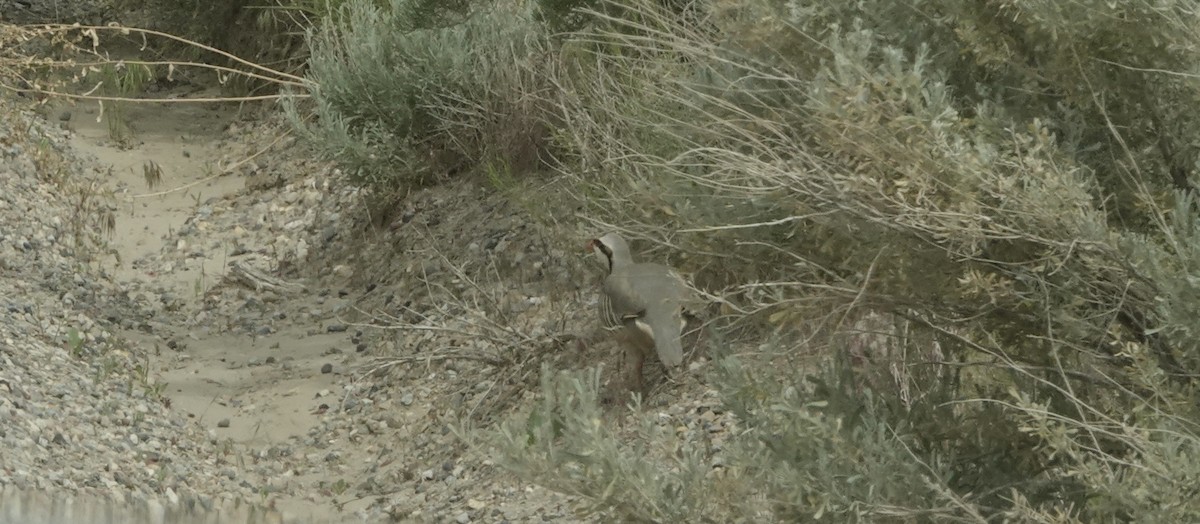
(652, 294)
(666, 322)
(621, 299)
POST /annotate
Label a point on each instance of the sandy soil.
(280, 381)
(253, 406)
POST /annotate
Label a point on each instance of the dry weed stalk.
(1018, 348)
(472, 322)
(92, 218)
(45, 61)
(32, 57)
(787, 166)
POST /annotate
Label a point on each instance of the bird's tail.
(667, 326)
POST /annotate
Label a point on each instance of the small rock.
(327, 369)
(223, 423)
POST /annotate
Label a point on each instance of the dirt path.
(277, 378)
(182, 140)
(216, 378)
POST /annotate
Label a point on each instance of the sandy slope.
(279, 375)
(209, 382)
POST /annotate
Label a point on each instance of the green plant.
(75, 342)
(142, 376)
(499, 175)
(407, 95)
(92, 218)
(198, 286)
(566, 442)
(106, 367)
(121, 81)
(340, 486)
(984, 211)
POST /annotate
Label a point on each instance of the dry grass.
(961, 260)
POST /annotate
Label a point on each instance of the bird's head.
(601, 251)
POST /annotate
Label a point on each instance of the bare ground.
(346, 350)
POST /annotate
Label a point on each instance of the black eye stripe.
(606, 250)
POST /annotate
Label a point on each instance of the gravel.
(80, 416)
(81, 419)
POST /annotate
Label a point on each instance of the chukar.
(646, 300)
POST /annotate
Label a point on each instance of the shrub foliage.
(996, 203)
(416, 90)
(970, 231)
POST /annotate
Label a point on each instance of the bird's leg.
(633, 368)
(672, 374)
(641, 378)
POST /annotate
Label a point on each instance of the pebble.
(144, 446)
(77, 417)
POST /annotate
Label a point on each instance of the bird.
(645, 300)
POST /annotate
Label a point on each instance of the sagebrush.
(1003, 193)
